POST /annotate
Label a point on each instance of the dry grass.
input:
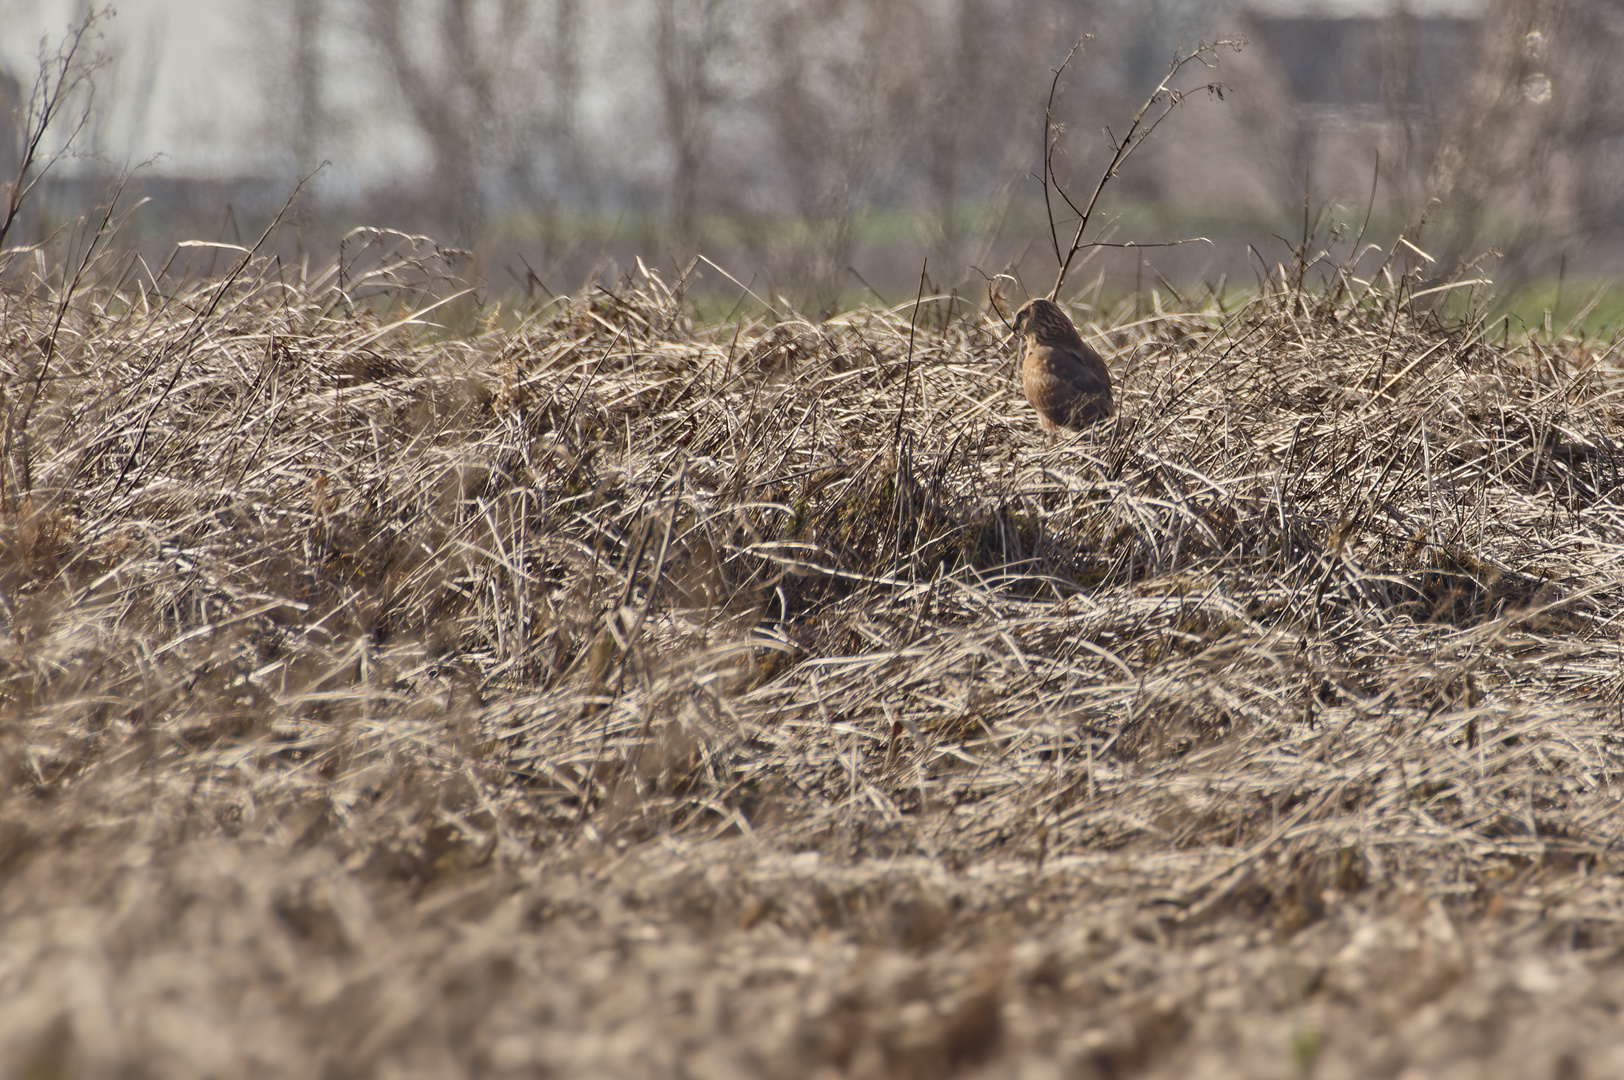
(597, 694)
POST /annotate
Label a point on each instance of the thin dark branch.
(1168, 98)
(1051, 139)
(1157, 244)
(907, 371)
(59, 80)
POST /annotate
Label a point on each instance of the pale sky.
(182, 79)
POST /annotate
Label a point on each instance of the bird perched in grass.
(1065, 380)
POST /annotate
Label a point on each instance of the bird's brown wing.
(1067, 386)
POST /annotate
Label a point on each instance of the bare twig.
(1156, 108)
(65, 81)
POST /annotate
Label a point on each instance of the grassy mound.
(586, 691)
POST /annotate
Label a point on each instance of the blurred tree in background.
(797, 136)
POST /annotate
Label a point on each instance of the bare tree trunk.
(945, 149)
(843, 115)
(567, 83)
(11, 128)
(1399, 100)
(1496, 147)
(453, 101)
(307, 73)
(692, 40)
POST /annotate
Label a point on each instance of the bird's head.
(1039, 318)
(1022, 317)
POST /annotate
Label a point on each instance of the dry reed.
(591, 692)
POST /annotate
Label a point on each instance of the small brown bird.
(1065, 380)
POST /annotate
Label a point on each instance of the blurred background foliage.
(823, 148)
